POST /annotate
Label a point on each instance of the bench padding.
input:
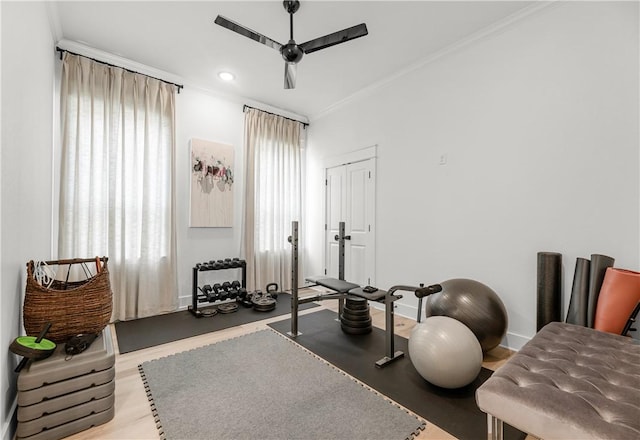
(569, 382)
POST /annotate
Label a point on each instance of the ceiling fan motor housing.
(291, 52)
(291, 6)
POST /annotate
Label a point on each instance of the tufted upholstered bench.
(567, 382)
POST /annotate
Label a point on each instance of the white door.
(351, 198)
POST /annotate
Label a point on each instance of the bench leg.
(494, 428)
(391, 354)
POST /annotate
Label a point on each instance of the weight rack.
(225, 264)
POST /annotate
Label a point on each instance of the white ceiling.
(180, 38)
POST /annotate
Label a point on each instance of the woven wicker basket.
(71, 307)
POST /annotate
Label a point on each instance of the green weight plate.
(30, 342)
(36, 353)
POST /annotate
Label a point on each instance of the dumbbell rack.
(226, 264)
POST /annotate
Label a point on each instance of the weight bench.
(567, 382)
(342, 289)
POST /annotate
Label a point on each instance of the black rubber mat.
(455, 411)
(156, 330)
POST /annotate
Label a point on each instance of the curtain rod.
(245, 107)
(179, 86)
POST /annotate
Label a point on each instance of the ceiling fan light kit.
(292, 52)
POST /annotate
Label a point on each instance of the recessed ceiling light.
(226, 76)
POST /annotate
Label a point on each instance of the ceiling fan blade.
(238, 28)
(334, 38)
(290, 71)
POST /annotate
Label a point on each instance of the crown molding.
(473, 38)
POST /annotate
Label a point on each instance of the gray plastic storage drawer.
(63, 387)
(58, 418)
(67, 429)
(59, 366)
(48, 406)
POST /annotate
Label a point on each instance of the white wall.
(204, 116)
(25, 180)
(539, 123)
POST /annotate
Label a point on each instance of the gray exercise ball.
(445, 352)
(475, 305)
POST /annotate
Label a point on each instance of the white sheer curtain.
(117, 181)
(273, 196)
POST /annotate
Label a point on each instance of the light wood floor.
(133, 418)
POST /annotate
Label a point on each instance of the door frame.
(367, 153)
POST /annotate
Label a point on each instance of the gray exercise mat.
(455, 411)
(264, 386)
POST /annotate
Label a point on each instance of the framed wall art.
(212, 174)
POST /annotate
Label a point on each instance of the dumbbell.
(234, 289)
(231, 292)
(244, 298)
(208, 291)
(222, 294)
(202, 297)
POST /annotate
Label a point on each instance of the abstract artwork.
(212, 176)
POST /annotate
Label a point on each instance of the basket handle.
(78, 260)
(97, 260)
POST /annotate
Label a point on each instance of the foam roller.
(599, 265)
(549, 305)
(578, 304)
(618, 296)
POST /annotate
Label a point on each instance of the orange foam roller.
(619, 294)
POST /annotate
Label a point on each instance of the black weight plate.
(356, 331)
(347, 311)
(264, 301)
(263, 308)
(357, 303)
(228, 308)
(355, 324)
(246, 303)
(208, 313)
(355, 318)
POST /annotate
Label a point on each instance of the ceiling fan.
(292, 52)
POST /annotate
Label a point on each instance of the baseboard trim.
(512, 341)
